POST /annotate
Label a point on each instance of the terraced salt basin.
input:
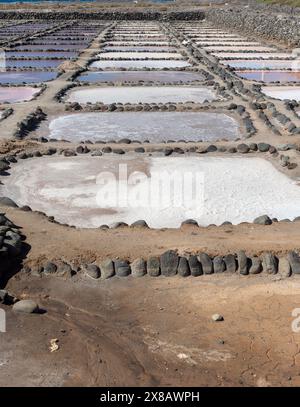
(19, 94)
(233, 48)
(142, 94)
(139, 55)
(265, 64)
(152, 126)
(136, 76)
(140, 64)
(83, 191)
(270, 76)
(12, 77)
(282, 92)
(252, 55)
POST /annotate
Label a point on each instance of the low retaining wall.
(259, 22)
(170, 264)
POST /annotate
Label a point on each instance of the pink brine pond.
(17, 94)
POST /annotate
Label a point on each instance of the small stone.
(50, 268)
(217, 318)
(195, 266)
(218, 264)
(294, 261)
(256, 266)
(243, 148)
(284, 268)
(230, 263)
(263, 220)
(26, 306)
(270, 263)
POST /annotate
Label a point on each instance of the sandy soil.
(153, 332)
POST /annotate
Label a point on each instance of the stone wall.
(104, 15)
(258, 22)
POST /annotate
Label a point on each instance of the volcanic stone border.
(7, 161)
(170, 264)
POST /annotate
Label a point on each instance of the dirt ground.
(153, 332)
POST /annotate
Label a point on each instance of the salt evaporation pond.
(282, 92)
(142, 94)
(136, 76)
(155, 64)
(265, 64)
(19, 94)
(16, 78)
(33, 63)
(145, 48)
(270, 76)
(82, 191)
(252, 55)
(233, 48)
(139, 55)
(152, 126)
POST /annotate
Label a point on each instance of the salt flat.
(83, 191)
(282, 92)
(155, 64)
(143, 94)
(152, 126)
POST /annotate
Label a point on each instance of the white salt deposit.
(282, 92)
(143, 94)
(232, 189)
(252, 55)
(156, 64)
(139, 55)
(152, 126)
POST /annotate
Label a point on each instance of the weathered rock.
(242, 263)
(107, 268)
(183, 267)
(153, 266)
(255, 265)
(284, 268)
(26, 306)
(5, 201)
(230, 263)
(263, 220)
(139, 224)
(218, 264)
(294, 261)
(168, 263)
(206, 263)
(122, 268)
(195, 266)
(92, 270)
(269, 263)
(50, 268)
(243, 148)
(138, 268)
(189, 222)
(217, 318)
(263, 147)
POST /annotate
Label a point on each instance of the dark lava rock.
(206, 263)
(7, 202)
(168, 263)
(243, 148)
(107, 269)
(183, 267)
(263, 220)
(263, 147)
(92, 270)
(189, 222)
(294, 261)
(139, 224)
(195, 266)
(153, 266)
(122, 268)
(50, 268)
(138, 268)
(230, 263)
(242, 262)
(255, 265)
(218, 264)
(270, 263)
